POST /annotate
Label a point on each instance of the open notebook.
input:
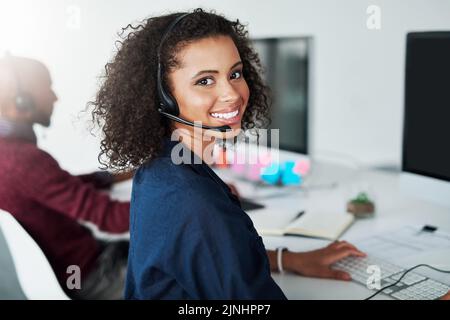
(320, 224)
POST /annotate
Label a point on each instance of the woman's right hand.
(318, 263)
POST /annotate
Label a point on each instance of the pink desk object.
(238, 168)
(302, 167)
(255, 170)
(251, 171)
(238, 164)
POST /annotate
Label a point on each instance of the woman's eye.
(236, 74)
(205, 82)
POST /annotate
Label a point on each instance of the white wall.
(357, 93)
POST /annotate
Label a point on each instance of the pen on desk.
(427, 228)
(298, 215)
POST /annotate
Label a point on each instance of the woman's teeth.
(228, 115)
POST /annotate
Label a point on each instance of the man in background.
(48, 201)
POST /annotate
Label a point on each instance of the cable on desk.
(403, 275)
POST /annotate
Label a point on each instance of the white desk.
(393, 209)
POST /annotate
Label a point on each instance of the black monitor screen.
(426, 138)
(285, 62)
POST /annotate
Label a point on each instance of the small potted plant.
(361, 205)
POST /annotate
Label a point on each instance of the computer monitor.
(286, 65)
(426, 131)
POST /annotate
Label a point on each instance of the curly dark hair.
(125, 107)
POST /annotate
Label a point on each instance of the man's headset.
(168, 106)
(24, 101)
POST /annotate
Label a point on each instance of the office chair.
(36, 277)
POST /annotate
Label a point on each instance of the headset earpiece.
(167, 102)
(24, 102)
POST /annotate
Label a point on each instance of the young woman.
(189, 237)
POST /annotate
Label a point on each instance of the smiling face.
(209, 85)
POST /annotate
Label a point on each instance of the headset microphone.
(168, 106)
(193, 124)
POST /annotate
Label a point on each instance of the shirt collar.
(189, 158)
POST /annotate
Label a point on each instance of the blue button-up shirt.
(190, 239)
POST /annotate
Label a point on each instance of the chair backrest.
(10, 288)
(36, 276)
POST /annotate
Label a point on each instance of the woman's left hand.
(318, 263)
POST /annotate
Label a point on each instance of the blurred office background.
(347, 96)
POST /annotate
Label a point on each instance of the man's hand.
(122, 176)
(446, 297)
(318, 263)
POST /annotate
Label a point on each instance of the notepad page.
(270, 223)
(328, 225)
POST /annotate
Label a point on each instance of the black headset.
(168, 106)
(24, 101)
